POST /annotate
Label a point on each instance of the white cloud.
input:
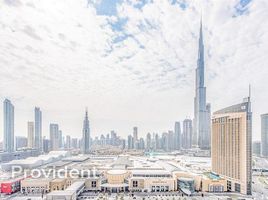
(130, 67)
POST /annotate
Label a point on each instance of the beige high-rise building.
(30, 138)
(232, 146)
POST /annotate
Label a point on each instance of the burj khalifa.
(202, 111)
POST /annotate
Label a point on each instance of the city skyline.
(149, 89)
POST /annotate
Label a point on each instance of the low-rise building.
(58, 184)
(70, 193)
(35, 186)
(93, 184)
(212, 182)
(152, 181)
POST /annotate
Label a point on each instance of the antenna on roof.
(249, 91)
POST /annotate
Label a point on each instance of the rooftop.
(116, 171)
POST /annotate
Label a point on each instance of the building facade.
(8, 142)
(201, 133)
(21, 142)
(187, 134)
(30, 135)
(38, 129)
(232, 146)
(264, 135)
(177, 132)
(256, 148)
(54, 137)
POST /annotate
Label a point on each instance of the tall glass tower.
(201, 133)
(86, 135)
(38, 129)
(177, 132)
(8, 126)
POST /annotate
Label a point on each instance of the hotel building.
(232, 146)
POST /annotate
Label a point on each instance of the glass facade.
(186, 183)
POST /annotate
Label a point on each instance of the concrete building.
(151, 181)
(58, 184)
(35, 186)
(115, 180)
(213, 183)
(130, 142)
(61, 139)
(46, 145)
(38, 129)
(177, 135)
(148, 142)
(135, 137)
(201, 132)
(68, 142)
(21, 142)
(256, 148)
(70, 193)
(54, 137)
(93, 184)
(264, 135)
(8, 142)
(74, 143)
(187, 134)
(30, 135)
(232, 146)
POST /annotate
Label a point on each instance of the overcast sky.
(131, 62)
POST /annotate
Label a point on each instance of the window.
(93, 184)
(135, 184)
(237, 187)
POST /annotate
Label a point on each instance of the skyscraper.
(171, 141)
(201, 133)
(264, 135)
(135, 137)
(187, 134)
(130, 142)
(74, 143)
(148, 141)
(177, 131)
(21, 142)
(232, 146)
(46, 144)
(86, 135)
(54, 137)
(68, 142)
(8, 143)
(30, 136)
(61, 142)
(38, 129)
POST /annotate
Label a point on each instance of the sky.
(130, 62)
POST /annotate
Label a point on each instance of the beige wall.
(35, 185)
(147, 183)
(116, 178)
(140, 184)
(230, 148)
(88, 184)
(206, 183)
(58, 184)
